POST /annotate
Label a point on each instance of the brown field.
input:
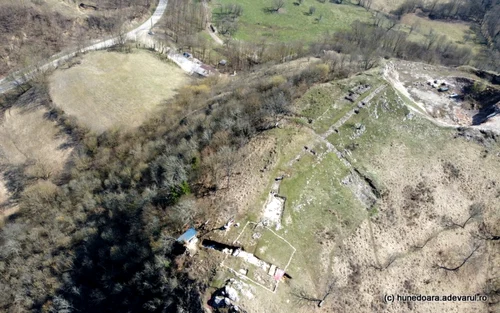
(110, 89)
(389, 5)
(28, 138)
(30, 141)
(455, 31)
(416, 236)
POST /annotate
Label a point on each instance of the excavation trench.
(250, 258)
(211, 244)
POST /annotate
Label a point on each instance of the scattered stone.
(352, 97)
(218, 301)
(243, 271)
(231, 293)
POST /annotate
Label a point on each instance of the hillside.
(368, 197)
(373, 186)
(354, 170)
(32, 31)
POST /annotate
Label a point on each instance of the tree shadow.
(115, 269)
(269, 10)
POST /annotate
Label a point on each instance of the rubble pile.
(229, 295)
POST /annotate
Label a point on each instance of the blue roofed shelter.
(189, 237)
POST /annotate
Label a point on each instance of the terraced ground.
(405, 204)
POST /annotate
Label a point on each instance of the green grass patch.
(325, 104)
(273, 249)
(318, 205)
(293, 23)
(386, 121)
(318, 100)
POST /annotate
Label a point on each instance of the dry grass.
(110, 89)
(27, 137)
(62, 7)
(401, 153)
(389, 5)
(4, 193)
(336, 238)
(455, 31)
(396, 228)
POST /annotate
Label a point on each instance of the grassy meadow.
(457, 32)
(293, 22)
(110, 89)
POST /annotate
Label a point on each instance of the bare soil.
(459, 105)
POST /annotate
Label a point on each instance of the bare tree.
(391, 23)
(121, 34)
(303, 297)
(432, 38)
(456, 268)
(415, 26)
(379, 19)
(475, 210)
(227, 158)
(278, 4)
(365, 3)
(329, 291)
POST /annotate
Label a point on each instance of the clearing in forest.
(109, 89)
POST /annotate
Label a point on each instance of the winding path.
(22, 76)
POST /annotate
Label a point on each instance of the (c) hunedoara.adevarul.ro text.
(433, 298)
